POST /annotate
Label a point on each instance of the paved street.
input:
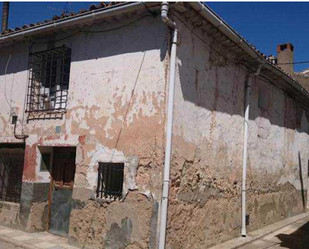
(294, 236)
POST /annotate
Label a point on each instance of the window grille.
(110, 180)
(49, 80)
(11, 171)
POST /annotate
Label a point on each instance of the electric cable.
(5, 73)
(93, 31)
(124, 120)
(129, 105)
(19, 136)
(293, 63)
(149, 10)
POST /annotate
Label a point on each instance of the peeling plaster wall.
(206, 170)
(115, 113)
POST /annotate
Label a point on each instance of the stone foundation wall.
(9, 214)
(31, 214)
(206, 222)
(34, 206)
(113, 225)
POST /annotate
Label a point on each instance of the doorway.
(61, 189)
(11, 171)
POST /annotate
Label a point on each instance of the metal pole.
(5, 15)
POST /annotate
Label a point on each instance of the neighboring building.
(82, 129)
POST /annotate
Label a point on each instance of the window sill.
(103, 200)
(35, 115)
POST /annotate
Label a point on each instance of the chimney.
(5, 15)
(285, 57)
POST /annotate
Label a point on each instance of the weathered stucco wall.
(115, 113)
(208, 142)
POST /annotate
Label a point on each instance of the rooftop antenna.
(65, 10)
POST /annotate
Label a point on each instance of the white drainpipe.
(169, 128)
(245, 153)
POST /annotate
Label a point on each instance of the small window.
(49, 80)
(45, 163)
(110, 180)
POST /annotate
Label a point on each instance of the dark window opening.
(110, 180)
(49, 80)
(45, 163)
(63, 170)
(11, 172)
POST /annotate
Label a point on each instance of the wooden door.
(63, 172)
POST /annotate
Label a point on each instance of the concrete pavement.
(290, 233)
(294, 236)
(12, 238)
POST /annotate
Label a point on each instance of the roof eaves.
(221, 25)
(56, 21)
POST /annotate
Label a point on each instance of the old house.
(132, 124)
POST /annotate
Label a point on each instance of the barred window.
(110, 180)
(49, 80)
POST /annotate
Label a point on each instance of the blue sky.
(268, 24)
(263, 24)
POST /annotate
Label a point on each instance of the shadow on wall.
(207, 79)
(210, 81)
(147, 33)
(137, 34)
(298, 239)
